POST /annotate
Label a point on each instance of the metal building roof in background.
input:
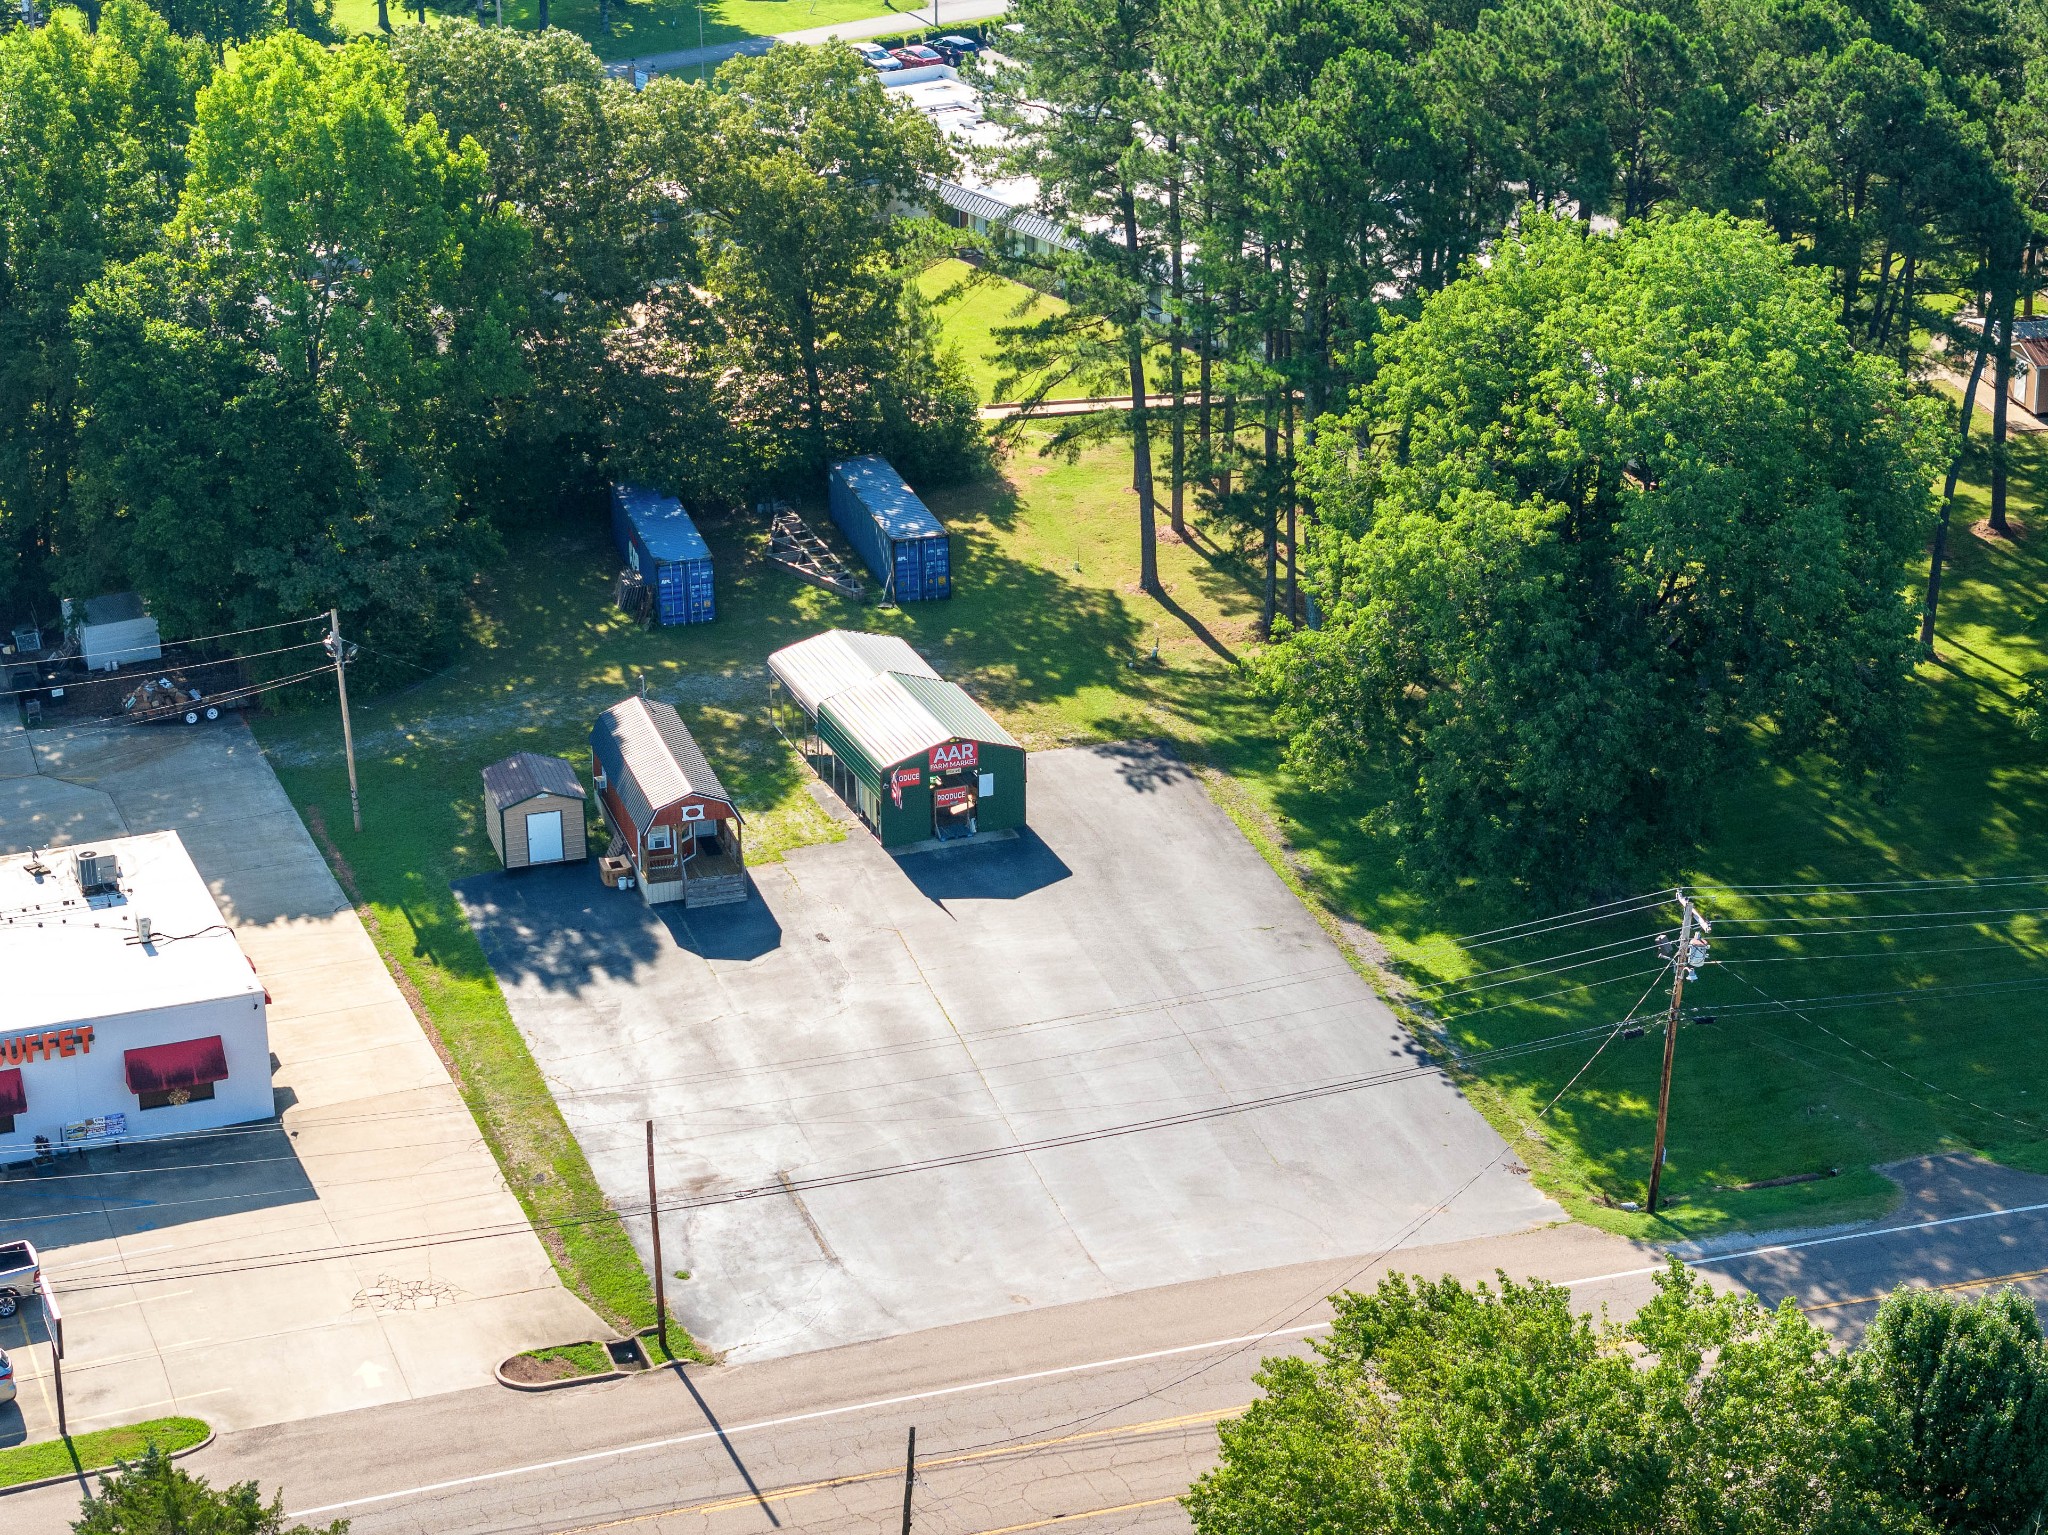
(664, 527)
(650, 759)
(815, 669)
(999, 215)
(528, 775)
(894, 504)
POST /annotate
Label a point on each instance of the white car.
(19, 1267)
(876, 57)
(6, 1378)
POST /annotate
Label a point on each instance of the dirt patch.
(2015, 530)
(529, 1371)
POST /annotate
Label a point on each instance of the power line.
(1793, 892)
(1854, 999)
(1281, 1321)
(1933, 1087)
(231, 696)
(1885, 916)
(1605, 912)
(1853, 932)
(169, 665)
(1234, 991)
(1526, 964)
(1640, 944)
(783, 1188)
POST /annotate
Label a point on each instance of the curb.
(74, 1476)
(557, 1385)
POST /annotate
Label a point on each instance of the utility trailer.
(793, 546)
(171, 698)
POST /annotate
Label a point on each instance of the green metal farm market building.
(910, 753)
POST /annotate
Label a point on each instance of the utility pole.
(53, 1324)
(341, 654)
(909, 1476)
(660, 1275)
(1690, 952)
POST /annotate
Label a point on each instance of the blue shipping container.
(892, 531)
(657, 538)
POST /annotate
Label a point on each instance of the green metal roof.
(893, 717)
(953, 707)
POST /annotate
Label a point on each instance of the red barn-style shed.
(669, 813)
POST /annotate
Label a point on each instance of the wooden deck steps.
(714, 890)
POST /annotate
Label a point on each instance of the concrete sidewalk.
(373, 1149)
(947, 12)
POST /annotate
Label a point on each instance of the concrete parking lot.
(1130, 957)
(202, 1276)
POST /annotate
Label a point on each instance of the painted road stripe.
(645, 1445)
(1792, 1247)
(801, 1417)
(1093, 1513)
(727, 1501)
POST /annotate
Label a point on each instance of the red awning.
(13, 1096)
(165, 1068)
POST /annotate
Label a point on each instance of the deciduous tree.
(93, 133)
(278, 395)
(1612, 507)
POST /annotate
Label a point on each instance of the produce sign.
(944, 797)
(955, 754)
(906, 778)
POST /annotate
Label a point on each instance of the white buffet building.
(127, 1008)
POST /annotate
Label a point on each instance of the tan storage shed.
(533, 806)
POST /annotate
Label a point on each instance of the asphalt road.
(1097, 1414)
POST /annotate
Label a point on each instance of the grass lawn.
(1893, 1060)
(970, 308)
(1049, 628)
(98, 1450)
(643, 27)
(970, 312)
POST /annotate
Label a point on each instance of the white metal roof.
(826, 664)
(882, 716)
(71, 958)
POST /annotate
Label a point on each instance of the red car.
(917, 56)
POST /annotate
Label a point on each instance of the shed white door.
(544, 837)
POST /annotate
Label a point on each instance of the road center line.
(1093, 1513)
(785, 1495)
(803, 1417)
(1846, 1236)
(965, 1388)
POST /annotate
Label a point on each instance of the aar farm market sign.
(955, 754)
(16, 1049)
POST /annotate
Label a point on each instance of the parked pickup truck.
(19, 1267)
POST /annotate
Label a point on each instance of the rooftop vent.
(99, 873)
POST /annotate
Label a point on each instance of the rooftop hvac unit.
(99, 873)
